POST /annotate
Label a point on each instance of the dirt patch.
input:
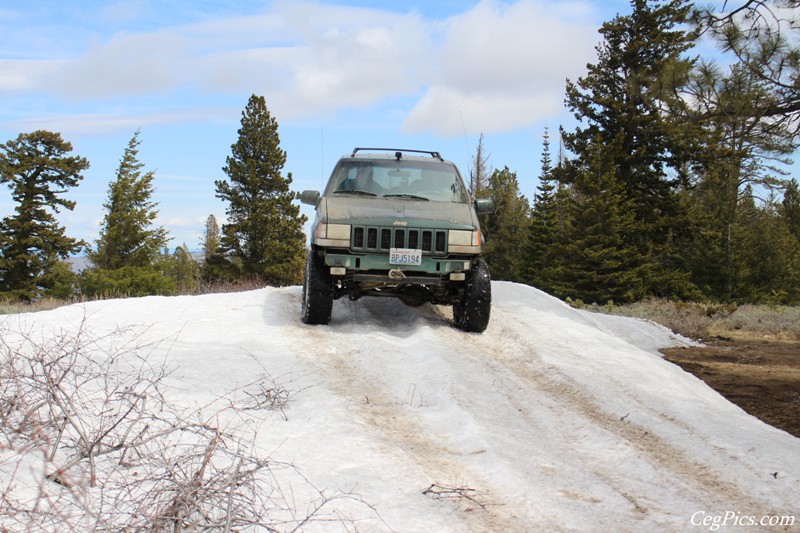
(761, 377)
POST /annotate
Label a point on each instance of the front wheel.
(317, 302)
(471, 312)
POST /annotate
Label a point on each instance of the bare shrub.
(225, 286)
(763, 321)
(463, 496)
(704, 320)
(89, 441)
(266, 393)
(690, 320)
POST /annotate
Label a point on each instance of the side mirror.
(484, 205)
(310, 197)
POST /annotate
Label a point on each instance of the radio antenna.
(466, 141)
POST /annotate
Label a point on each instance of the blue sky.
(335, 75)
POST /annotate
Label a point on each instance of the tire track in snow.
(506, 354)
(698, 479)
(393, 427)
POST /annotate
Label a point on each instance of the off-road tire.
(317, 301)
(471, 313)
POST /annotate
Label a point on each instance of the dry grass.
(45, 304)
(703, 321)
(762, 322)
(8, 307)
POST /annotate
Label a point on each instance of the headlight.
(333, 231)
(464, 242)
(459, 237)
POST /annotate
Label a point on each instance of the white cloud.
(322, 59)
(128, 64)
(25, 74)
(504, 66)
(451, 110)
(359, 66)
(496, 66)
(112, 123)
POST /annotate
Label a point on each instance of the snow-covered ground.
(554, 419)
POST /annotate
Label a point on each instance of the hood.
(388, 211)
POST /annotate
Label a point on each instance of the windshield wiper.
(356, 191)
(406, 196)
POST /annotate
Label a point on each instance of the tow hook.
(396, 274)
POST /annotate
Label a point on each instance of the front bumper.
(430, 265)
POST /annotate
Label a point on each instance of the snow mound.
(553, 419)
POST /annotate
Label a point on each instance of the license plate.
(405, 256)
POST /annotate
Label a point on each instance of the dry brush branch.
(89, 441)
(461, 494)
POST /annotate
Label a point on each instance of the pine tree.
(766, 255)
(38, 170)
(215, 266)
(544, 221)
(790, 208)
(264, 233)
(185, 270)
(627, 103)
(763, 37)
(128, 236)
(128, 259)
(741, 149)
(211, 240)
(597, 258)
(505, 229)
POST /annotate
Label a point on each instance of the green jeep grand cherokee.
(397, 223)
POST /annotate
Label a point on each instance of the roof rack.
(398, 152)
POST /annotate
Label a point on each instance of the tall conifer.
(211, 240)
(790, 208)
(626, 105)
(544, 221)
(597, 258)
(37, 168)
(264, 234)
(505, 228)
(128, 235)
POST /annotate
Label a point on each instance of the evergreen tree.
(742, 149)
(597, 258)
(767, 255)
(128, 281)
(264, 234)
(60, 282)
(505, 229)
(790, 208)
(211, 242)
(38, 170)
(128, 259)
(544, 221)
(763, 36)
(128, 236)
(215, 266)
(185, 270)
(628, 103)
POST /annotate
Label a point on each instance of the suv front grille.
(380, 239)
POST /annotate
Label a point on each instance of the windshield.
(412, 180)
